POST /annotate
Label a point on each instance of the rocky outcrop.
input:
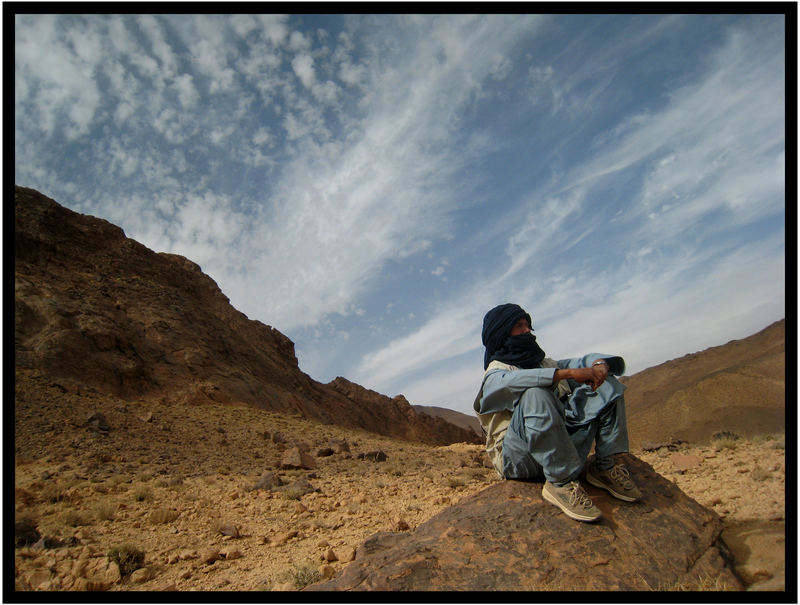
(98, 311)
(508, 538)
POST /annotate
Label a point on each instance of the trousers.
(550, 439)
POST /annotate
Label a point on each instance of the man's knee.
(539, 408)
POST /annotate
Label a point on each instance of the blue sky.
(371, 185)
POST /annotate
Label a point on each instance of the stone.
(376, 456)
(401, 525)
(112, 574)
(142, 575)
(231, 553)
(330, 556)
(506, 537)
(684, 462)
(210, 555)
(268, 480)
(327, 572)
(98, 422)
(295, 458)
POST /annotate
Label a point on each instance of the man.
(541, 417)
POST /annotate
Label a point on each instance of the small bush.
(73, 518)
(128, 558)
(163, 515)
(725, 442)
(301, 576)
(294, 492)
(142, 494)
(759, 473)
(53, 493)
(105, 511)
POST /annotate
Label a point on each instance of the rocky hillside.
(738, 387)
(97, 312)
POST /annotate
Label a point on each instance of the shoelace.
(579, 497)
(621, 474)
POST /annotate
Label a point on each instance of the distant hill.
(99, 312)
(459, 419)
(739, 387)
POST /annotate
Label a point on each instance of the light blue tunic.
(550, 438)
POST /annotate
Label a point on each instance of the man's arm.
(503, 388)
(592, 369)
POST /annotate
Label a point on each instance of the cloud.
(583, 304)
(303, 66)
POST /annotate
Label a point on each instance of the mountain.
(458, 418)
(99, 312)
(738, 387)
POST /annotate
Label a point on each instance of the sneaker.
(572, 500)
(616, 481)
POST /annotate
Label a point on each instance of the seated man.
(541, 417)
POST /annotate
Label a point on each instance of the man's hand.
(594, 375)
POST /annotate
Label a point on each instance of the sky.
(371, 185)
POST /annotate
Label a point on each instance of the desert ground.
(154, 496)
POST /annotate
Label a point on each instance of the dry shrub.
(293, 492)
(301, 575)
(142, 494)
(23, 498)
(74, 518)
(163, 515)
(725, 442)
(105, 511)
(54, 492)
(706, 583)
(759, 473)
(127, 557)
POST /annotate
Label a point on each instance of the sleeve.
(502, 389)
(616, 364)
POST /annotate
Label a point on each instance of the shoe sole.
(599, 483)
(578, 517)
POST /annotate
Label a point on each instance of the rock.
(97, 422)
(285, 537)
(376, 456)
(112, 574)
(684, 462)
(325, 452)
(142, 575)
(327, 572)
(339, 445)
(231, 553)
(330, 556)
(146, 417)
(85, 584)
(210, 555)
(298, 488)
(401, 525)
(507, 537)
(295, 458)
(268, 480)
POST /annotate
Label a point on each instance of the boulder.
(507, 537)
(296, 458)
